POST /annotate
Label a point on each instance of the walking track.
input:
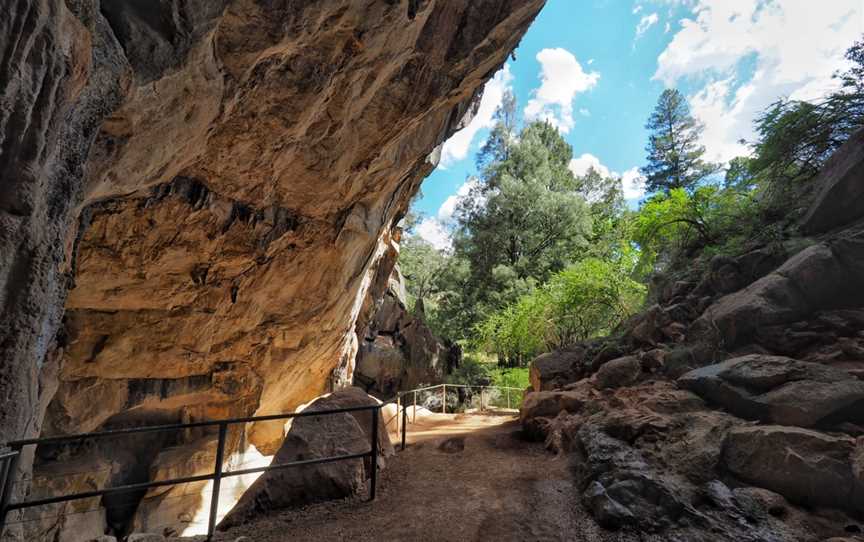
(462, 478)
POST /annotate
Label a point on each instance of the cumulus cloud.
(445, 212)
(434, 232)
(743, 54)
(562, 78)
(580, 166)
(458, 146)
(632, 182)
(646, 22)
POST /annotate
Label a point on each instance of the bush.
(585, 300)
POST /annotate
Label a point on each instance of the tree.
(797, 137)
(523, 220)
(421, 265)
(496, 148)
(674, 154)
(587, 299)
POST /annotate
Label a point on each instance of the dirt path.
(462, 478)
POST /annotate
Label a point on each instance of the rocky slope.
(215, 185)
(733, 409)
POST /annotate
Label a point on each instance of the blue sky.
(595, 68)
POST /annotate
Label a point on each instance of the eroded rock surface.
(216, 185)
(397, 350)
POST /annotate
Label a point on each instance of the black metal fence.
(9, 461)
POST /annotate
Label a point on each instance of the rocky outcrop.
(316, 437)
(398, 351)
(731, 408)
(841, 195)
(806, 466)
(776, 389)
(554, 369)
(215, 185)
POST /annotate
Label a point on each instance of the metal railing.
(9, 461)
(402, 406)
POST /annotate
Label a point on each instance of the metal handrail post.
(444, 399)
(398, 404)
(373, 454)
(415, 408)
(9, 468)
(217, 480)
(404, 425)
(508, 397)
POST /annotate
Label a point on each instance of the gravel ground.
(462, 478)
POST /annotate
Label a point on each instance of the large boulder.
(805, 466)
(555, 369)
(824, 276)
(618, 372)
(780, 390)
(539, 406)
(316, 437)
(841, 195)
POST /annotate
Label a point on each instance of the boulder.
(547, 404)
(781, 390)
(841, 195)
(621, 488)
(555, 369)
(805, 466)
(618, 372)
(825, 276)
(315, 437)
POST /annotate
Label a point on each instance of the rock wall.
(214, 183)
(398, 351)
(733, 409)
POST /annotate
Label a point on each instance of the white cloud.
(562, 79)
(580, 166)
(457, 147)
(789, 48)
(445, 212)
(584, 112)
(637, 9)
(437, 230)
(646, 22)
(431, 230)
(632, 182)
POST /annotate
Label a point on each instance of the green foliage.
(796, 137)
(679, 222)
(543, 259)
(421, 264)
(674, 153)
(587, 299)
(521, 223)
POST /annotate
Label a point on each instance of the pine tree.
(674, 153)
